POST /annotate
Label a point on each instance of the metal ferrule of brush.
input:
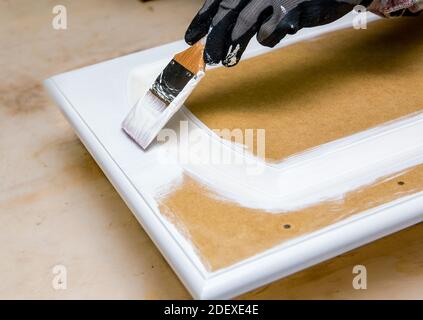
(171, 82)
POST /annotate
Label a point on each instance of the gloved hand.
(234, 22)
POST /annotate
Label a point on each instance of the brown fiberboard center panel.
(304, 95)
(318, 91)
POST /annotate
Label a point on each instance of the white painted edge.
(273, 264)
(193, 278)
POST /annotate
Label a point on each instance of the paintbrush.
(166, 96)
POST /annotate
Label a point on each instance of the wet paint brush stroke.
(324, 173)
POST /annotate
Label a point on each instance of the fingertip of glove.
(272, 41)
(231, 59)
(192, 35)
(269, 42)
(230, 63)
(210, 59)
(188, 38)
(212, 52)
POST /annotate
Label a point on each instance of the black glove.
(234, 22)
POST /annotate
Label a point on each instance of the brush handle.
(192, 58)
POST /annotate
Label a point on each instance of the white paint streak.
(150, 114)
(324, 173)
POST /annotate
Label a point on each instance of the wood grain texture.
(57, 207)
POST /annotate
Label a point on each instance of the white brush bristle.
(140, 121)
(151, 114)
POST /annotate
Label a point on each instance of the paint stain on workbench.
(23, 98)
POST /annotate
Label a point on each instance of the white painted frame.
(81, 94)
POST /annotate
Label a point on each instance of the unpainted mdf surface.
(303, 101)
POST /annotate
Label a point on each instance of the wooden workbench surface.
(57, 207)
